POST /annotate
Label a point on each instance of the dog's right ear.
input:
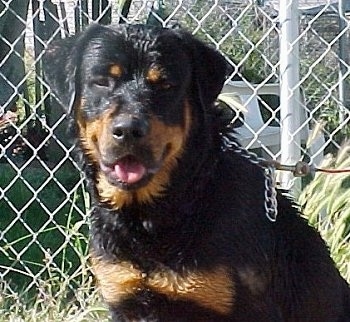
(60, 70)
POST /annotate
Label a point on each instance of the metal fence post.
(290, 94)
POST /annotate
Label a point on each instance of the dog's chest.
(212, 289)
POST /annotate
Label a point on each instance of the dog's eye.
(101, 81)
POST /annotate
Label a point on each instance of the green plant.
(54, 303)
(325, 202)
(48, 277)
(42, 224)
(340, 129)
(321, 91)
(244, 44)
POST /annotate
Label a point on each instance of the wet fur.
(200, 247)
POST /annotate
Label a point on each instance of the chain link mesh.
(43, 204)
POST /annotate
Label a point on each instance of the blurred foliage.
(325, 202)
(241, 40)
(250, 41)
(322, 96)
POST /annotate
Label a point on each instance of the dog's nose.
(128, 128)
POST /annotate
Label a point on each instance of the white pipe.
(342, 59)
(290, 94)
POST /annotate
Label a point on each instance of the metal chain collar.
(270, 195)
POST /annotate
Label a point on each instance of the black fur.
(211, 214)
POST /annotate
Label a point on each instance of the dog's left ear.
(59, 64)
(210, 69)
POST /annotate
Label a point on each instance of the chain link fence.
(43, 204)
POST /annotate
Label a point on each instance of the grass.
(44, 247)
(54, 306)
(39, 214)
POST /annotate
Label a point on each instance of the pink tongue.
(129, 170)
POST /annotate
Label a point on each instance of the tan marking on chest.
(116, 280)
(212, 289)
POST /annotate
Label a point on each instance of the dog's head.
(135, 93)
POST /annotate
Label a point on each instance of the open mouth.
(127, 172)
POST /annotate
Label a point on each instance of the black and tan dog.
(179, 231)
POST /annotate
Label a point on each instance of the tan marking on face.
(155, 74)
(115, 70)
(161, 137)
(213, 289)
(94, 134)
(96, 138)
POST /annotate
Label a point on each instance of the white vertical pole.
(290, 94)
(342, 60)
